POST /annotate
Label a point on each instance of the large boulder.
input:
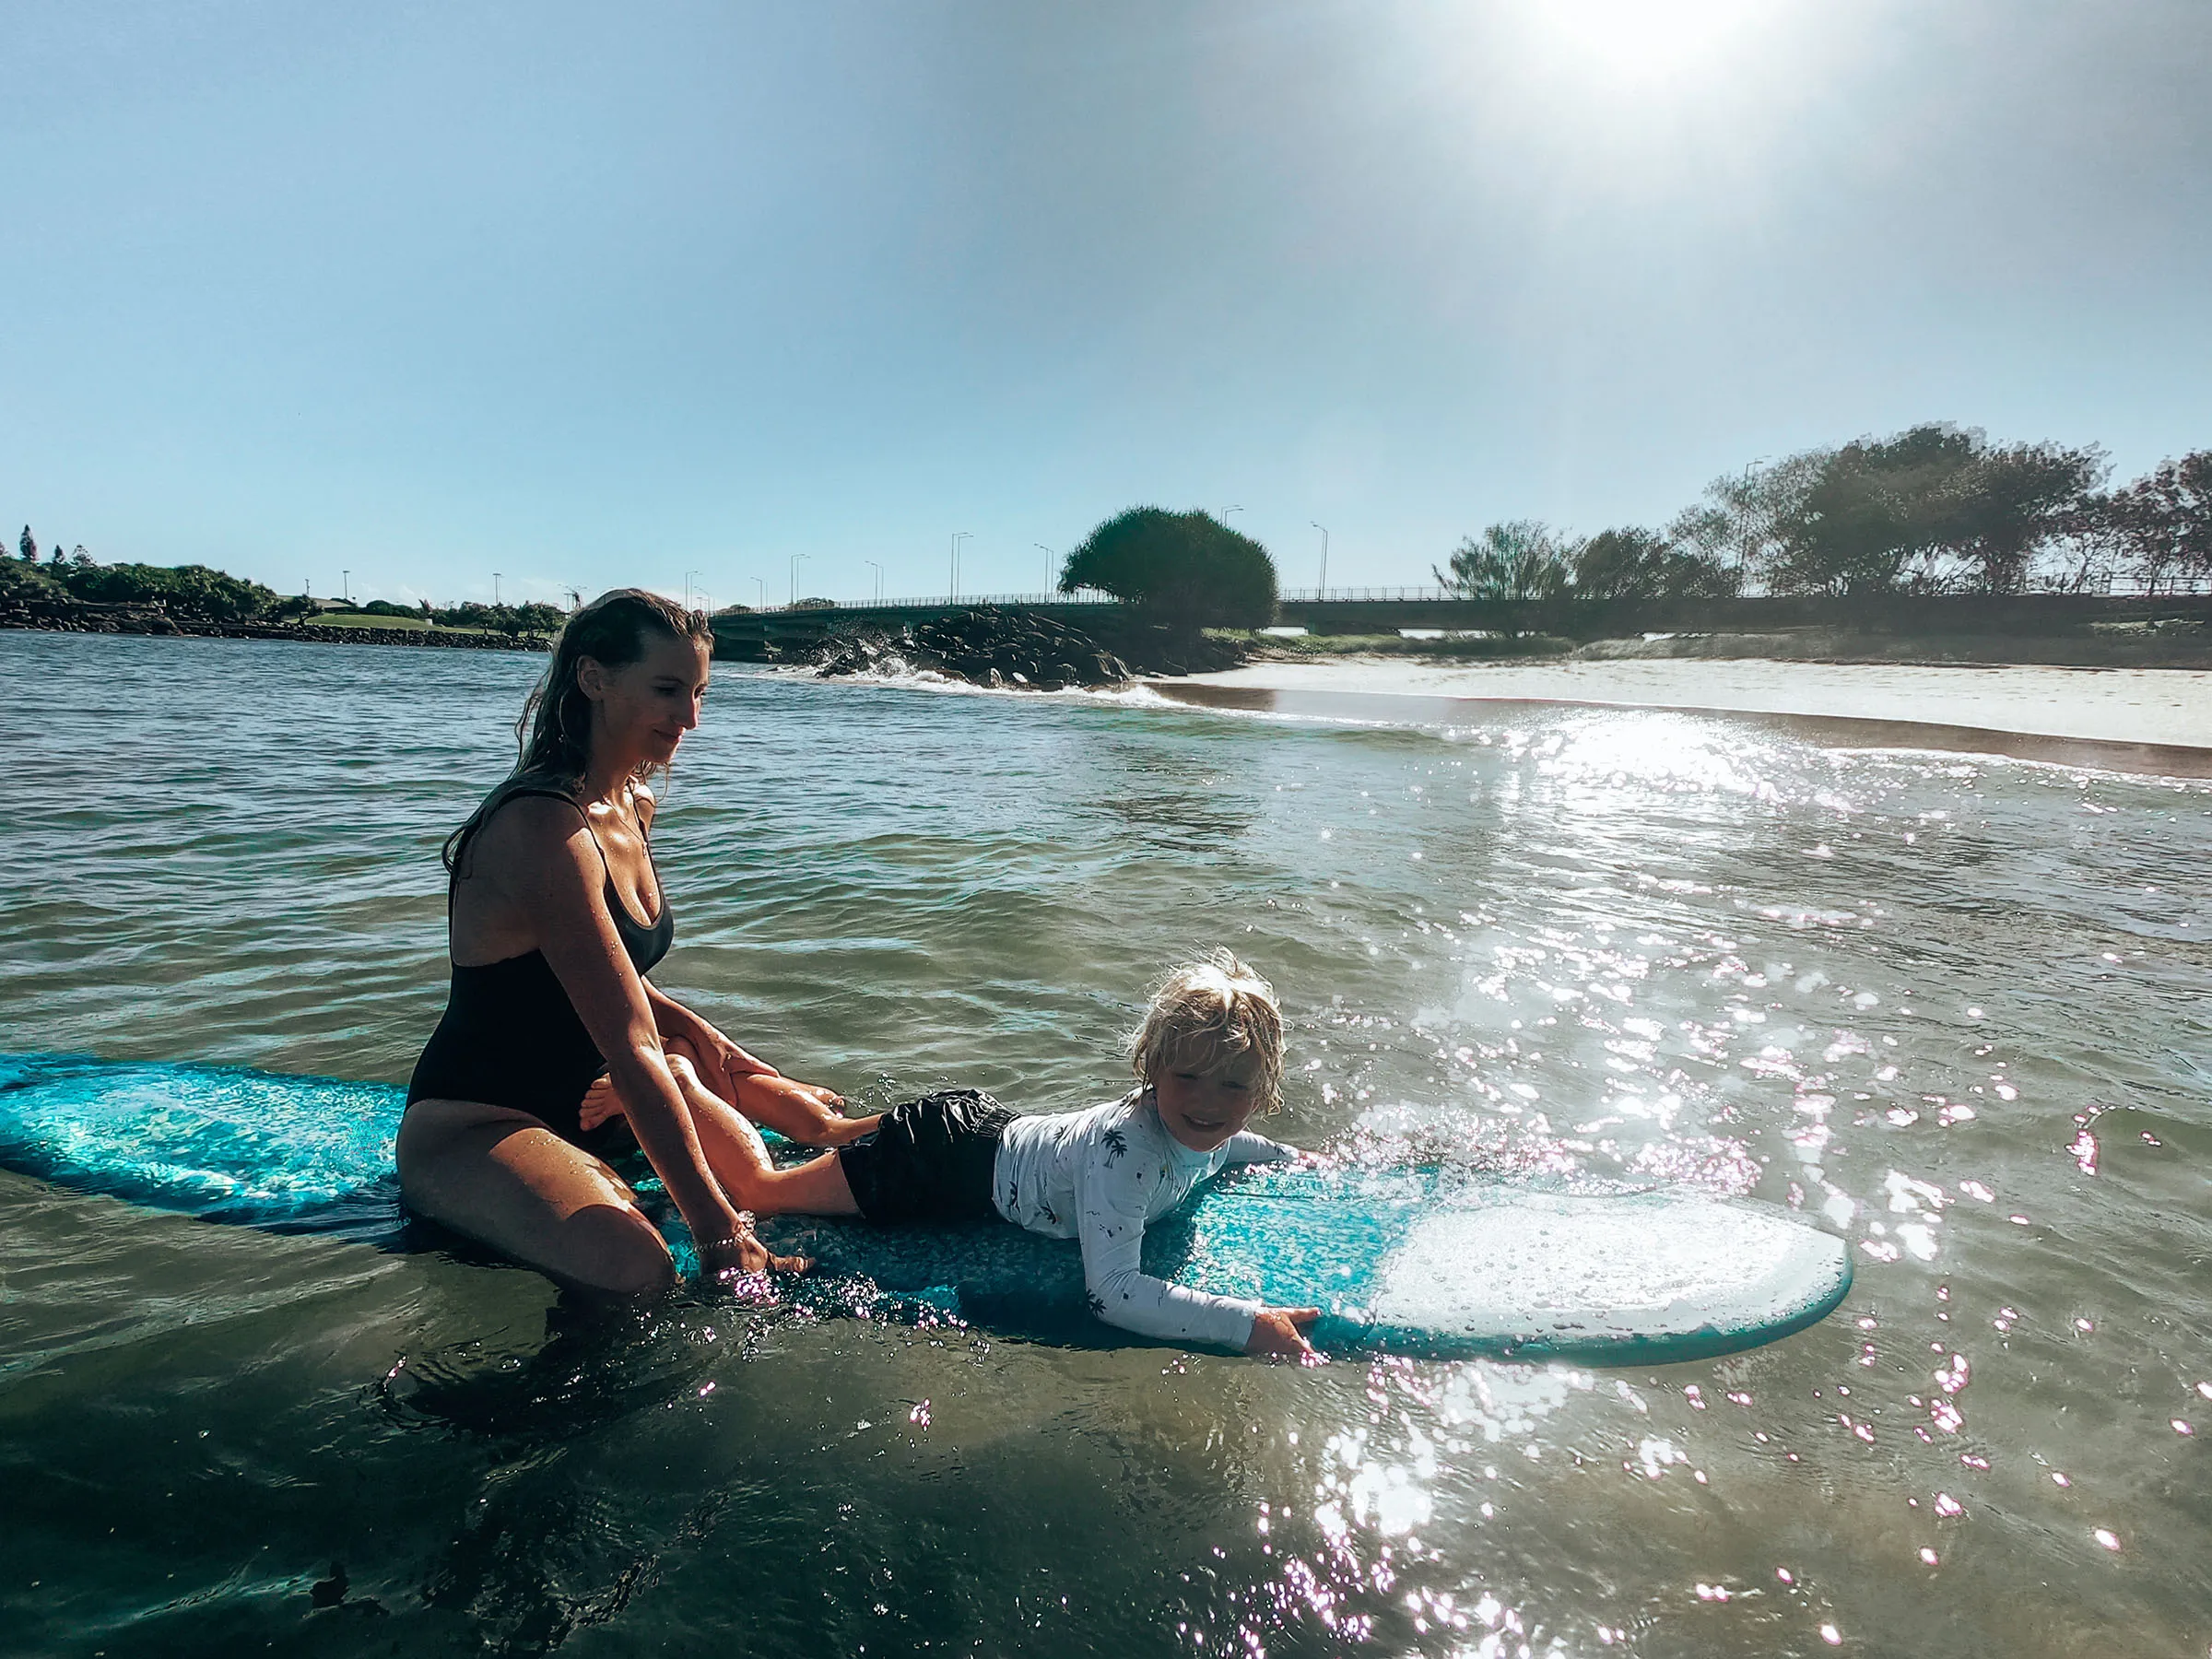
(985, 645)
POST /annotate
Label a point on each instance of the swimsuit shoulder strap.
(510, 791)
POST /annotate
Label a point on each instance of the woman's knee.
(615, 1252)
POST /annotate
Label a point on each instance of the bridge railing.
(1363, 595)
(1337, 595)
(946, 601)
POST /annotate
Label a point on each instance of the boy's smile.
(1203, 1109)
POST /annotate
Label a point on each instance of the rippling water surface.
(1956, 1009)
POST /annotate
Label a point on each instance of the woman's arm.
(557, 878)
(713, 1052)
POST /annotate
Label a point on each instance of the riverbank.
(141, 619)
(2015, 710)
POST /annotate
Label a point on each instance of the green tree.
(1188, 569)
(27, 546)
(1741, 523)
(1879, 515)
(21, 581)
(185, 590)
(1644, 566)
(1932, 508)
(2016, 501)
(2163, 523)
(1517, 565)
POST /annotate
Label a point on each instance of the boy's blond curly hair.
(1206, 1011)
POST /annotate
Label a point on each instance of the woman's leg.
(503, 1179)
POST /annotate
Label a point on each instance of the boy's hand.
(1280, 1332)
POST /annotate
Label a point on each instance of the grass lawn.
(369, 620)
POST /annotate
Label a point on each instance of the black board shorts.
(930, 1160)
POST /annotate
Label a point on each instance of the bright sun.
(1649, 38)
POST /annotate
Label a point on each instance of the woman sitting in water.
(555, 916)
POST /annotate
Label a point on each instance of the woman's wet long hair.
(553, 735)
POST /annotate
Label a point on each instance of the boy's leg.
(803, 1112)
(739, 1158)
(797, 1110)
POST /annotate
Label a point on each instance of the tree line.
(193, 590)
(491, 618)
(1937, 509)
(203, 593)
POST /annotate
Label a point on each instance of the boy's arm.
(1110, 1227)
(1244, 1146)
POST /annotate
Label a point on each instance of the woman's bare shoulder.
(533, 828)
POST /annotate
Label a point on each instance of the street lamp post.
(1051, 560)
(495, 590)
(760, 591)
(878, 570)
(346, 587)
(1324, 594)
(688, 575)
(794, 574)
(959, 536)
(1225, 512)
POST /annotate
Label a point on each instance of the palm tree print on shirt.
(1115, 1143)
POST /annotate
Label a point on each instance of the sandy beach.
(2166, 709)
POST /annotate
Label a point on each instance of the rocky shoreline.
(137, 619)
(1009, 649)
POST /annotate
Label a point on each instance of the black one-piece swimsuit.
(510, 1037)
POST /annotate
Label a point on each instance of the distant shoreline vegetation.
(1935, 510)
(73, 590)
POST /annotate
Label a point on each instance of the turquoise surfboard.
(1417, 1262)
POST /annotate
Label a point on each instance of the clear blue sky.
(596, 294)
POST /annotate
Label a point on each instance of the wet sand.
(2150, 719)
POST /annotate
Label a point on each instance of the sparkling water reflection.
(1956, 1007)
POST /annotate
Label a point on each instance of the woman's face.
(645, 707)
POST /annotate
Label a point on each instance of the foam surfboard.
(1417, 1262)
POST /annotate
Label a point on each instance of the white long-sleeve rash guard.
(1099, 1176)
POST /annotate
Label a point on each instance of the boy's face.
(1203, 1109)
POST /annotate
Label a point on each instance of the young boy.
(1209, 1053)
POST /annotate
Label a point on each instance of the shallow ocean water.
(1958, 1010)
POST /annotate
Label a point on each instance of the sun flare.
(1650, 37)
